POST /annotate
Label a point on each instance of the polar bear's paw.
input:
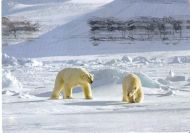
(68, 97)
(53, 97)
(88, 97)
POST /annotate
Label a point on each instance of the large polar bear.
(69, 78)
(132, 89)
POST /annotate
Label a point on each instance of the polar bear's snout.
(88, 78)
(91, 78)
(91, 81)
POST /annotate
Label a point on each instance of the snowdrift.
(9, 60)
(111, 76)
(10, 84)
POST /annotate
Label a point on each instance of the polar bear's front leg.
(127, 98)
(87, 91)
(139, 96)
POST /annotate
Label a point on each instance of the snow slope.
(69, 34)
(30, 68)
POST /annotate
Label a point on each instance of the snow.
(180, 59)
(164, 102)
(10, 83)
(127, 59)
(176, 78)
(66, 29)
(30, 68)
(8, 60)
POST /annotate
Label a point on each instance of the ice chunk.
(127, 59)
(179, 59)
(176, 78)
(141, 59)
(10, 83)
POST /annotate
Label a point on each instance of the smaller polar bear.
(69, 78)
(132, 89)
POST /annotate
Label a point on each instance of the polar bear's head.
(88, 77)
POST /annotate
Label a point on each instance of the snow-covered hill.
(65, 24)
(64, 40)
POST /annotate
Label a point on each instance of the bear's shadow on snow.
(48, 94)
(95, 103)
(44, 94)
(33, 101)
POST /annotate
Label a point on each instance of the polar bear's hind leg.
(139, 96)
(57, 89)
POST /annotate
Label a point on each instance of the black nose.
(91, 81)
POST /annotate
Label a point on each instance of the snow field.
(106, 71)
(30, 68)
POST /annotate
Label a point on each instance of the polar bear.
(69, 78)
(132, 89)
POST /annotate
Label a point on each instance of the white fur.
(69, 78)
(132, 89)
